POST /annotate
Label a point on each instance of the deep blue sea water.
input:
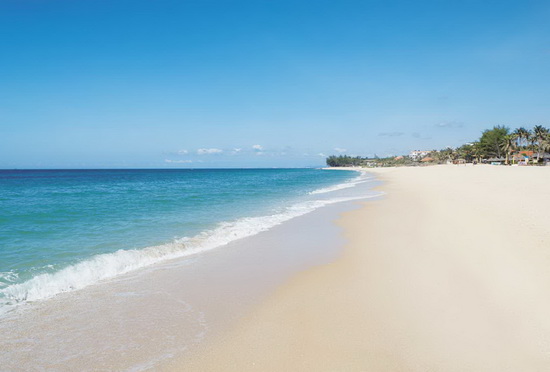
(62, 230)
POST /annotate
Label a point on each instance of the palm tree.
(531, 141)
(508, 145)
(517, 136)
(521, 135)
(477, 151)
(465, 152)
(540, 134)
(447, 155)
(546, 143)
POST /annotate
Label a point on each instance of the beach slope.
(449, 272)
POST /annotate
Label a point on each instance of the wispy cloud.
(420, 136)
(236, 151)
(450, 124)
(339, 149)
(182, 152)
(178, 161)
(209, 151)
(321, 155)
(390, 134)
(258, 147)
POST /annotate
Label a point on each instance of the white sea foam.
(105, 266)
(352, 183)
(7, 277)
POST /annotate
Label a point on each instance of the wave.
(110, 265)
(352, 183)
(7, 277)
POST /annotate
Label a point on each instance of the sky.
(200, 84)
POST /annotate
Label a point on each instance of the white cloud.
(321, 155)
(338, 149)
(209, 151)
(183, 152)
(178, 161)
(236, 151)
(257, 147)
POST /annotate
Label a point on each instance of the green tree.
(477, 151)
(491, 140)
(531, 141)
(508, 145)
(443, 156)
(540, 135)
(343, 161)
(546, 143)
(450, 154)
(522, 137)
(466, 152)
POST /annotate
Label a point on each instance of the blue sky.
(112, 83)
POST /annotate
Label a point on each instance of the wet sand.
(449, 272)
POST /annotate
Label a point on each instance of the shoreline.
(171, 308)
(448, 272)
(106, 265)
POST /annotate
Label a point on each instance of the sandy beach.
(448, 272)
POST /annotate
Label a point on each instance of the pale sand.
(450, 272)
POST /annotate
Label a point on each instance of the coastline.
(447, 272)
(180, 225)
(142, 319)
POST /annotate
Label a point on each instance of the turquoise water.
(61, 230)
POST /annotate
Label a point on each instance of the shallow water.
(144, 318)
(64, 230)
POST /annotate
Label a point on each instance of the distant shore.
(448, 273)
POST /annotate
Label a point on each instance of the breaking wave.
(352, 183)
(110, 265)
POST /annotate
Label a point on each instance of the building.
(496, 161)
(418, 154)
(544, 158)
(523, 157)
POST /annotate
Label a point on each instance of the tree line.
(499, 142)
(344, 161)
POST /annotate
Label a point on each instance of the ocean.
(63, 230)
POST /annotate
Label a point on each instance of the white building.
(418, 154)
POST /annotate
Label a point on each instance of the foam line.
(106, 266)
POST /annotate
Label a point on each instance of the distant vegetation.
(344, 161)
(496, 145)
